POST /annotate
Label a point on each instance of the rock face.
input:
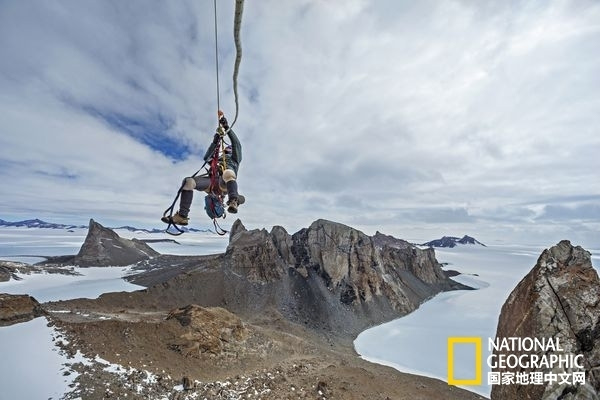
(213, 330)
(559, 298)
(103, 247)
(18, 308)
(329, 277)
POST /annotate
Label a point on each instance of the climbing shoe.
(175, 219)
(232, 206)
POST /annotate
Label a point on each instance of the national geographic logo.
(537, 362)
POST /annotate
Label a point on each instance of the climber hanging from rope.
(223, 159)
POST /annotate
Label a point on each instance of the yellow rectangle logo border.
(478, 363)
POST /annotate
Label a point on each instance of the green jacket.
(232, 160)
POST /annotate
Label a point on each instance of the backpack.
(213, 206)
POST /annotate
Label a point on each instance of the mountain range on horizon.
(38, 223)
(445, 241)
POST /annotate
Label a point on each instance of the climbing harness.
(213, 201)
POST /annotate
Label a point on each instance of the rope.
(217, 57)
(237, 24)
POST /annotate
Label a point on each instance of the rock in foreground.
(213, 330)
(558, 299)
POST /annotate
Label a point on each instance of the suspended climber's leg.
(187, 195)
(233, 198)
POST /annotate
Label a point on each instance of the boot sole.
(169, 220)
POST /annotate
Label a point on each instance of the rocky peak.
(254, 255)
(469, 240)
(104, 247)
(564, 258)
(330, 273)
(382, 240)
(330, 248)
(559, 298)
(236, 228)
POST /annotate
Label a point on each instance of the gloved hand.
(217, 138)
(223, 122)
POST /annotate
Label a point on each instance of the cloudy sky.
(417, 119)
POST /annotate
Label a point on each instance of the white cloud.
(374, 114)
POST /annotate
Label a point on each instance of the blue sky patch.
(153, 132)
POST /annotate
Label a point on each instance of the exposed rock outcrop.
(559, 299)
(18, 308)
(104, 247)
(213, 330)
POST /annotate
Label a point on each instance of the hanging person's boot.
(176, 219)
(181, 216)
(232, 194)
(232, 206)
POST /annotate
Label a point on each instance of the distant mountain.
(134, 229)
(38, 223)
(451, 241)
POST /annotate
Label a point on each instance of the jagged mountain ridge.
(334, 276)
(452, 241)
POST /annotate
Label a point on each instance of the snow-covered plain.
(30, 244)
(31, 365)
